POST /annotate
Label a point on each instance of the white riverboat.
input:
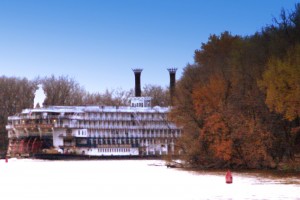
(136, 130)
(95, 131)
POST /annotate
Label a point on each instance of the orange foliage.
(216, 133)
(209, 101)
(222, 126)
(210, 97)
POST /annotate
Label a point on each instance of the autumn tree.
(214, 55)
(210, 102)
(284, 33)
(283, 40)
(184, 115)
(282, 84)
(197, 99)
(221, 96)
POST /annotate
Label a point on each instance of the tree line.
(19, 93)
(239, 102)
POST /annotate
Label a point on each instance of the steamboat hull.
(90, 157)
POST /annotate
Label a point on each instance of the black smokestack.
(137, 74)
(172, 72)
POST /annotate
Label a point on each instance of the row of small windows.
(123, 115)
(122, 134)
(85, 142)
(112, 150)
(120, 123)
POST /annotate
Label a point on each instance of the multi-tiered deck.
(93, 131)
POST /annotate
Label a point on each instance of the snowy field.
(24, 179)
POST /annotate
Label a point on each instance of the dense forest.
(239, 103)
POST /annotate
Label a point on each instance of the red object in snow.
(6, 160)
(228, 177)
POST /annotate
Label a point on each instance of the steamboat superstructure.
(95, 131)
(136, 130)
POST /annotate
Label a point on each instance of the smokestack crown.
(172, 70)
(137, 70)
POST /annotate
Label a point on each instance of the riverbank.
(290, 166)
(2, 154)
(44, 156)
(285, 166)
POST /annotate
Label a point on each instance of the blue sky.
(98, 42)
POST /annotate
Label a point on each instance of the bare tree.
(117, 97)
(62, 91)
(15, 94)
(160, 96)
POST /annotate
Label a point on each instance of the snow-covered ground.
(133, 180)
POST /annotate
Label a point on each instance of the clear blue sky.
(98, 42)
